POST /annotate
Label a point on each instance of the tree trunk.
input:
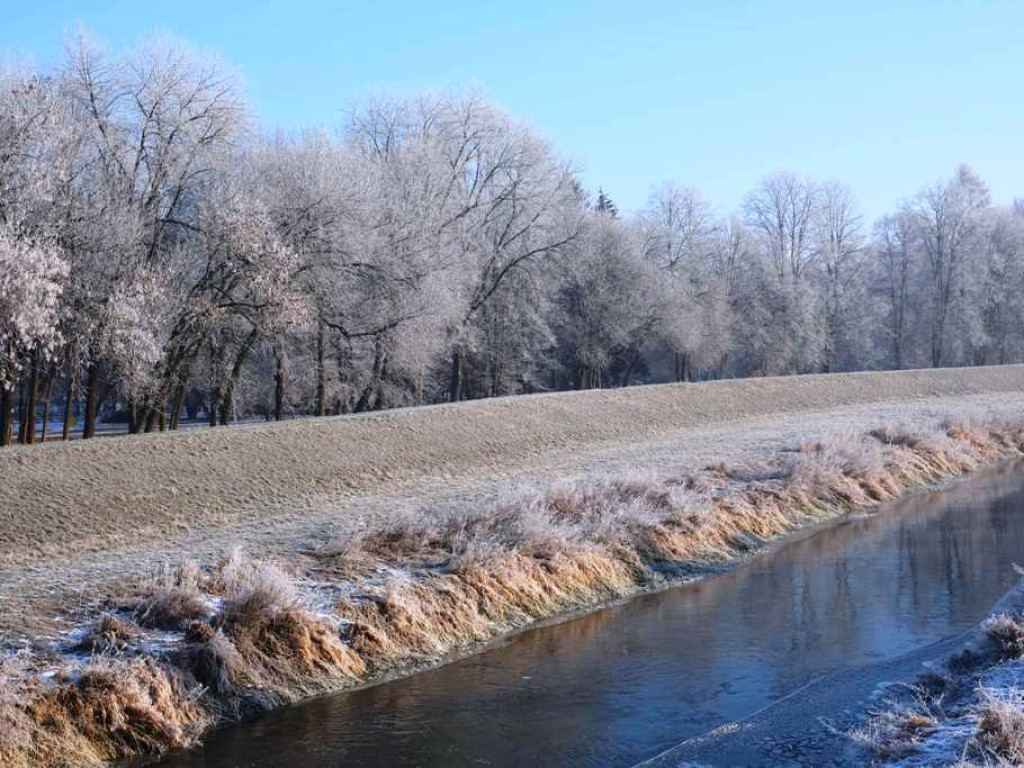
(92, 400)
(177, 404)
(69, 401)
(32, 400)
(380, 403)
(6, 414)
(684, 371)
(22, 420)
(214, 406)
(939, 338)
(455, 385)
(279, 389)
(370, 395)
(181, 392)
(321, 375)
(155, 416)
(629, 369)
(133, 416)
(581, 376)
(227, 403)
(47, 397)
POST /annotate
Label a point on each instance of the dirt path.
(40, 592)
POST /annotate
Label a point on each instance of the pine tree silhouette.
(606, 205)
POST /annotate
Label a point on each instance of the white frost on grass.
(951, 741)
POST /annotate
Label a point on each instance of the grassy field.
(379, 543)
(65, 498)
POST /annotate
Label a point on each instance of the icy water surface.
(621, 685)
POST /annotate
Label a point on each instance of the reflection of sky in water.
(618, 686)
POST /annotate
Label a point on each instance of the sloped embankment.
(209, 643)
(65, 498)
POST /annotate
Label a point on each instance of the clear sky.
(886, 96)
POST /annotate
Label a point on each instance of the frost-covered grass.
(970, 712)
(172, 599)
(198, 643)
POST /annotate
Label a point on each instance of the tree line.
(164, 260)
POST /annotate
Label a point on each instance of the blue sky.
(886, 96)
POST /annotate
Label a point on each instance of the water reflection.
(618, 686)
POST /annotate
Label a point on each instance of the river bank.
(966, 708)
(206, 643)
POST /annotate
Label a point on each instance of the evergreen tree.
(605, 205)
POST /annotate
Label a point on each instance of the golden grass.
(579, 544)
(113, 710)
(424, 584)
(896, 733)
(1000, 732)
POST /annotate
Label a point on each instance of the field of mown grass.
(64, 498)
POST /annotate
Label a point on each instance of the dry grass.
(266, 638)
(1000, 736)
(462, 577)
(262, 649)
(115, 709)
(173, 599)
(1007, 635)
(947, 708)
(109, 635)
(896, 733)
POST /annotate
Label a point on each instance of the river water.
(621, 685)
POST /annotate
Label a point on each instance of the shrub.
(1001, 728)
(1007, 635)
(173, 599)
(109, 635)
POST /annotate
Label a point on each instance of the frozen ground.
(79, 519)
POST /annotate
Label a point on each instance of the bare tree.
(895, 248)
(947, 220)
(159, 121)
(609, 304)
(681, 238)
(840, 251)
(782, 212)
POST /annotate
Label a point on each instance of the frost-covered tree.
(841, 262)
(896, 265)
(782, 213)
(947, 217)
(37, 156)
(680, 237)
(159, 122)
(161, 259)
(32, 275)
(1001, 289)
(608, 306)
